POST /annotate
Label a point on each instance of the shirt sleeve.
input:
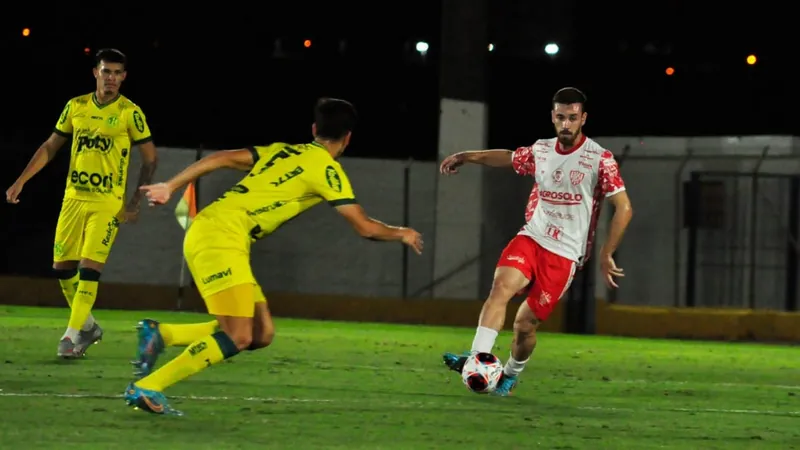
(523, 160)
(64, 125)
(332, 184)
(610, 179)
(138, 129)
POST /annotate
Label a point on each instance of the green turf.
(351, 386)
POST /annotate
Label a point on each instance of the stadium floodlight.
(491, 47)
(551, 49)
(422, 47)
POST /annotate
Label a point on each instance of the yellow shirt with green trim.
(286, 180)
(102, 137)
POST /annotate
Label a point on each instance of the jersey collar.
(562, 151)
(100, 105)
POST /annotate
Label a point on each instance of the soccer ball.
(481, 372)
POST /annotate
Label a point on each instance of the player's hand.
(157, 194)
(451, 164)
(12, 194)
(413, 239)
(610, 271)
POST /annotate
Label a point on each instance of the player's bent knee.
(60, 266)
(262, 341)
(241, 336)
(502, 290)
(91, 264)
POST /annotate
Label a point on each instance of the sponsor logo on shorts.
(112, 225)
(515, 258)
(91, 181)
(217, 276)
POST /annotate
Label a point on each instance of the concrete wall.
(318, 253)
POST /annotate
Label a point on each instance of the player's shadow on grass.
(60, 361)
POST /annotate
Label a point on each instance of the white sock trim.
(484, 340)
(514, 367)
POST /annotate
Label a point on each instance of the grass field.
(368, 386)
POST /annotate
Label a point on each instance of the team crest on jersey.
(558, 176)
(576, 176)
(332, 176)
(112, 121)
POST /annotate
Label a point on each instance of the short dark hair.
(568, 96)
(111, 55)
(334, 118)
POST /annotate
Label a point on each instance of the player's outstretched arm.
(160, 193)
(46, 152)
(373, 229)
(491, 158)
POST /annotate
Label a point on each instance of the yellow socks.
(83, 301)
(68, 280)
(200, 354)
(185, 334)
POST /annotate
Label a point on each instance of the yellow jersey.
(102, 137)
(285, 180)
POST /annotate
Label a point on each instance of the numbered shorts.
(219, 260)
(550, 274)
(85, 230)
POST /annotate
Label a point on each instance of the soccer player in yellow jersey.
(284, 180)
(103, 126)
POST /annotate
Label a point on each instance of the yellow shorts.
(85, 230)
(219, 260)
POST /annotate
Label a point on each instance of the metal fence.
(742, 243)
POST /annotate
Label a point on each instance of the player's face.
(109, 77)
(568, 120)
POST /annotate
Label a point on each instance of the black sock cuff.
(89, 274)
(226, 344)
(65, 274)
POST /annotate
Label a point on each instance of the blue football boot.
(455, 362)
(150, 346)
(505, 385)
(151, 401)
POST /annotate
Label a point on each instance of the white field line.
(399, 403)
